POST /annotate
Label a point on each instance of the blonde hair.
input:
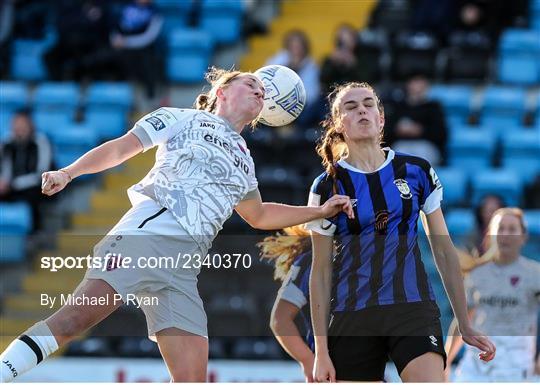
(470, 261)
(332, 145)
(284, 248)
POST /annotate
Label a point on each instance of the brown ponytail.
(284, 248)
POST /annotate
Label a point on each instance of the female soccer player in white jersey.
(375, 287)
(202, 172)
(504, 298)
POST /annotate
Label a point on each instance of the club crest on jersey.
(403, 187)
(514, 280)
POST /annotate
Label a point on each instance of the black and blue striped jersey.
(378, 260)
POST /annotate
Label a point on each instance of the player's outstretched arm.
(288, 335)
(447, 261)
(108, 155)
(319, 287)
(273, 216)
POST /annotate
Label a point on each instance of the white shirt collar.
(389, 158)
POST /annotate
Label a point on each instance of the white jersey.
(506, 299)
(203, 169)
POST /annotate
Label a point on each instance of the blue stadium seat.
(505, 183)
(14, 95)
(75, 137)
(535, 14)
(519, 69)
(471, 150)
(521, 152)
(27, 59)
(514, 40)
(110, 94)
(532, 217)
(15, 224)
(107, 123)
(107, 106)
(49, 122)
(176, 14)
(189, 55)
(503, 105)
(454, 183)
(72, 142)
(460, 222)
(5, 123)
(456, 101)
(53, 96)
(519, 56)
(222, 19)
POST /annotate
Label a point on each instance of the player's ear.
(220, 94)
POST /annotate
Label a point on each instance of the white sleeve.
(321, 226)
(434, 199)
(290, 292)
(159, 126)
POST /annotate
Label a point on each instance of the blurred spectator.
(343, 64)
(7, 18)
(490, 16)
(483, 212)
(296, 55)
(133, 38)
(24, 158)
(418, 125)
(82, 29)
(31, 18)
(472, 17)
(435, 16)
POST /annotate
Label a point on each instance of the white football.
(285, 95)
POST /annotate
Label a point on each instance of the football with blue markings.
(285, 95)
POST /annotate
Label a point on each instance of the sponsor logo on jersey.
(433, 340)
(403, 187)
(381, 221)
(238, 162)
(156, 122)
(208, 125)
(501, 302)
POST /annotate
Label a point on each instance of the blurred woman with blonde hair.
(503, 295)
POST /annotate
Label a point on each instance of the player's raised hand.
(323, 369)
(54, 181)
(481, 342)
(336, 204)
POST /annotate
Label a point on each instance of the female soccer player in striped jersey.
(292, 254)
(203, 171)
(504, 298)
(375, 287)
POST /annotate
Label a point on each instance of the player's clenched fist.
(54, 181)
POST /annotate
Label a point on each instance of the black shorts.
(360, 342)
